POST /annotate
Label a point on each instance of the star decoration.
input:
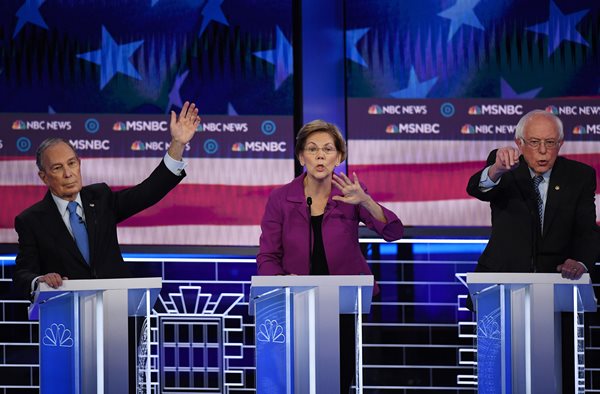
(174, 95)
(415, 88)
(113, 58)
(507, 92)
(51, 110)
(352, 38)
(281, 57)
(560, 27)
(212, 12)
(30, 13)
(230, 110)
(461, 13)
(153, 3)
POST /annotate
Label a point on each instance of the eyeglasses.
(327, 150)
(534, 143)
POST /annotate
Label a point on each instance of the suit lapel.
(556, 190)
(89, 208)
(56, 228)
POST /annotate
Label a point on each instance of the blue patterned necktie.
(536, 183)
(79, 231)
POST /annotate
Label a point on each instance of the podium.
(519, 329)
(297, 330)
(83, 328)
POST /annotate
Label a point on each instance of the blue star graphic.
(282, 57)
(230, 110)
(560, 27)
(174, 95)
(212, 12)
(507, 92)
(415, 88)
(30, 13)
(352, 38)
(51, 110)
(113, 58)
(461, 13)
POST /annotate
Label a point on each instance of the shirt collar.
(62, 204)
(545, 175)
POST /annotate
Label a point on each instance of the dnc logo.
(475, 110)
(375, 110)
(19, 125)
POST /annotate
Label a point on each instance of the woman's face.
(319, 155)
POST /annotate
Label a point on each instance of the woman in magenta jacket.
(329, 207)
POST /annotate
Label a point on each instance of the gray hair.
(520, 131)
(47, 143)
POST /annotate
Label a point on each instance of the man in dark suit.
(543, 211)
(564, 238)
(51, 248)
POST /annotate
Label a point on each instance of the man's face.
(541, 146)
(62, 171)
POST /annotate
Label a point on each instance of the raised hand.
(507, 159)
(352, 192)
(183, 128)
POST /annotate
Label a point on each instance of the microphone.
(309, 203)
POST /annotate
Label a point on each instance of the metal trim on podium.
(519, 329)
(84, 332)
(297, 330)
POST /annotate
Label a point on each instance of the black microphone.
(309, 203)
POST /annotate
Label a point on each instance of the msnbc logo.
(392, 129)
(475, 110)
(19, 125)
(375, 110)
(136, 145)
(467, 129)
(579, 130)
(238, 147)
(552, 109)
(120, 126)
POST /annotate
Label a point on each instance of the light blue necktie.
(79, 231)
(536, 185)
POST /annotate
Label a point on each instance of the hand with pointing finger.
(507, 159)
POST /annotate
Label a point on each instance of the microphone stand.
(309, 203)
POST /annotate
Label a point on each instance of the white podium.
(84, 332)
(297, 330)
(519, 329)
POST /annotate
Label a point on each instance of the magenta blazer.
(284, 239)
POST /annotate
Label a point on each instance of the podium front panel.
(274, 342)
(59, 345)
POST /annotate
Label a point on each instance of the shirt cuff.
(485, 183)
(583, 265)
(175, 166)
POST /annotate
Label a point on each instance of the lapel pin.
(556, 187)
(93, 205)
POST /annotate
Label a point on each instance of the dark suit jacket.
(45, 244)
(517, 243)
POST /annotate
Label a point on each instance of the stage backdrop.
(106, 74)
(435, 85)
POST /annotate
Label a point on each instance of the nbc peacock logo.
(138, 146)
(467, 129)
(119, 126)
(238, 147)
(375, 110)
(552, 109)
(19, 125)
(475, 110)
(580, 130)
(392, 129)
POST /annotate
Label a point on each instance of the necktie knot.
(72, 207)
